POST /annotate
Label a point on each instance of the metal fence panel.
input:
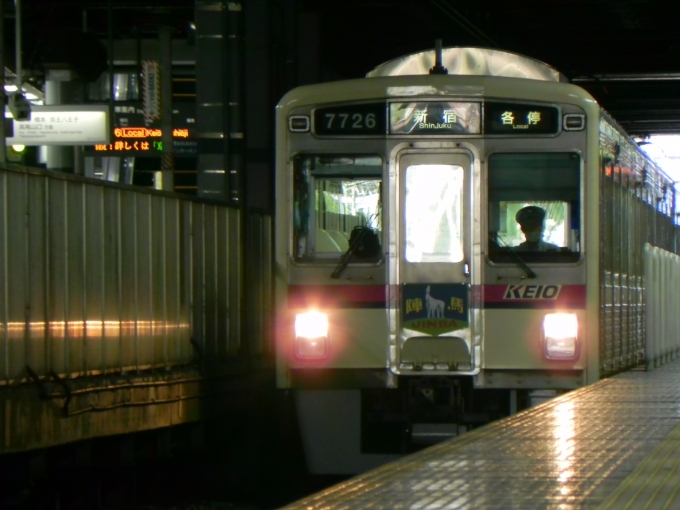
(113, 327)
(144, 288)
(94, 283)
(260, 274)
(234, 267)
(97, 278)
(15, 291)
(156, 269)
(662, 302)
(37, 349)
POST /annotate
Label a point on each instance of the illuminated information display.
(435, 118)
(357, 119)
(132, 135)
(139, 139)
(520, 119)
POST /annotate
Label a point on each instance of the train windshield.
(534, 207)
(332, 195)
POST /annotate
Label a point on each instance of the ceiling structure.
(626, 53)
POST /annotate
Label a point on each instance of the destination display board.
(132, 136)
(520, 119)
(435, 118)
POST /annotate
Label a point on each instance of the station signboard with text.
(60, 125)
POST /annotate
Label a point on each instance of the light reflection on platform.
(572, 452)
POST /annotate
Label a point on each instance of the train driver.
(531, 220)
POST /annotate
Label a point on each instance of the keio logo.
(532, 292)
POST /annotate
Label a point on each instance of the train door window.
(332, 194)
(534, 207)
(433, 212)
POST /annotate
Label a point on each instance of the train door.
(431, 277)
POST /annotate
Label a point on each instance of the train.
(458, 236)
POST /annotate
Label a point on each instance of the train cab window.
(534, 207)
(333, 194)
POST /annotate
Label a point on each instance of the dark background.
(625, 52)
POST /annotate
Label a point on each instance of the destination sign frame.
(521, 119)
(435, 118)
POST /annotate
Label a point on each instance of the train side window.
(534, 207)
(331, 195)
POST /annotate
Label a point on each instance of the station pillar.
(219, 100)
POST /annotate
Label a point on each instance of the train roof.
(466, 87)
(470, 61)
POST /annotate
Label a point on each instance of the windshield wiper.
(344, 260)
(530, 273)
(363, 244)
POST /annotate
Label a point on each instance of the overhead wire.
(467, 25)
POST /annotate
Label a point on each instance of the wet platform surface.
(611, 445)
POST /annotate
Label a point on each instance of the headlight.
(560, 336)
(311, 335)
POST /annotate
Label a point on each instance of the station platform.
(612, 445)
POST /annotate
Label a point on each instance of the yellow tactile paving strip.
(619, 436)
(655, 484)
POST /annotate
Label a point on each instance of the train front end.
(430, 256)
